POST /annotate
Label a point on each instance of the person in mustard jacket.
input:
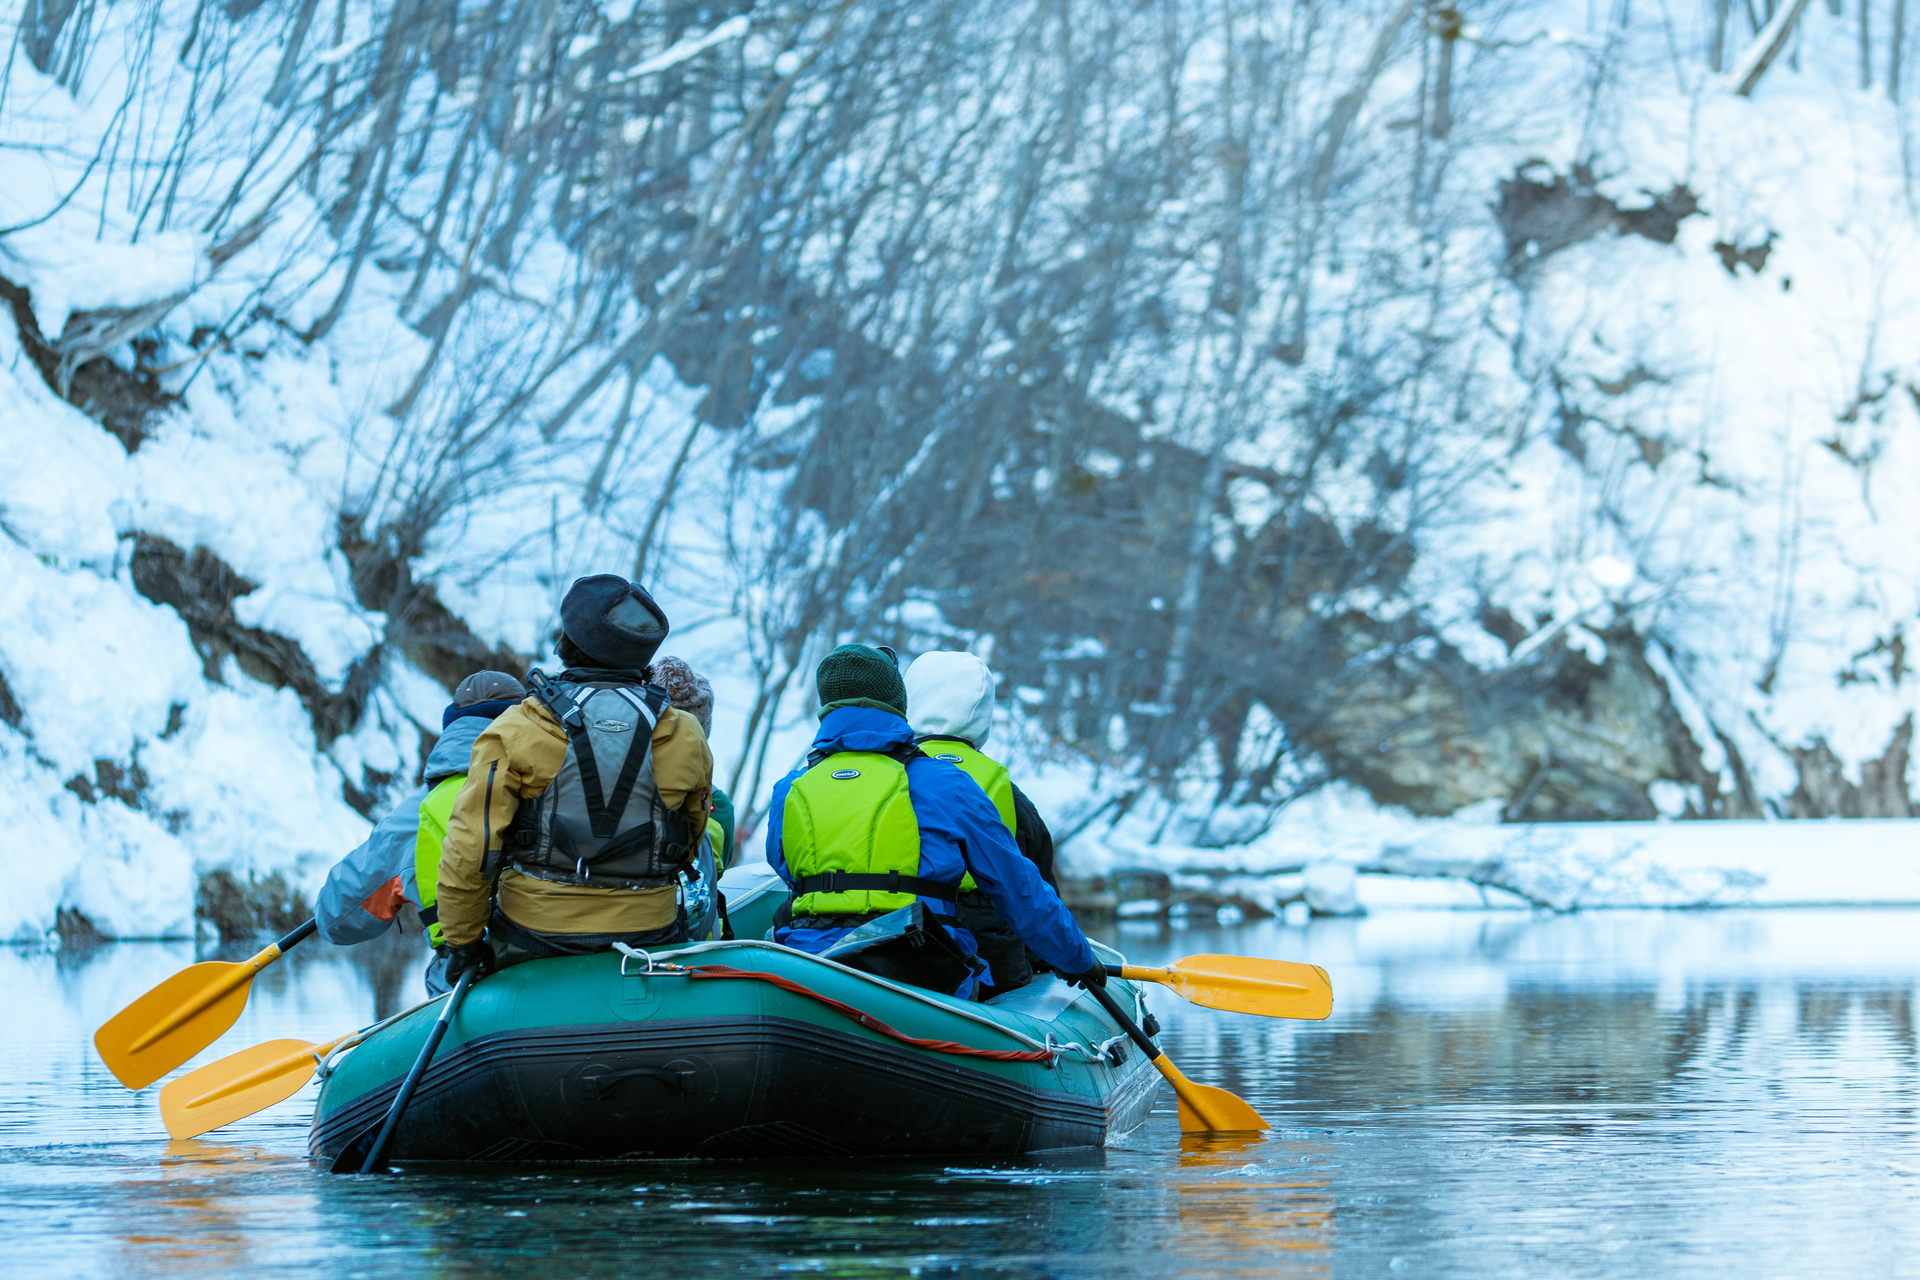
(585, 803)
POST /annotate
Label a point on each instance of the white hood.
(951, 694)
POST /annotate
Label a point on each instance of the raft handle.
(599, 1087)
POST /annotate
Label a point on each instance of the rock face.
(1826, 792)
(1559, 738)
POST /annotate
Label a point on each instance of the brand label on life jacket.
(612, 726)
(844, 774)
(954, 759)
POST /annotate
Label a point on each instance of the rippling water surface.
(1642, 1094)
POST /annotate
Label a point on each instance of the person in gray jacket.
(399, 863)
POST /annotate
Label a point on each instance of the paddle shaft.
(1128, 1025)
(1203, 1108)
(377, 1156)
(241, 975)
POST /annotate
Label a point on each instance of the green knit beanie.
(857, 676)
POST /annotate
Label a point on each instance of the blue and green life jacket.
(852, 841)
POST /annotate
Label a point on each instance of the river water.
(1611, 1094)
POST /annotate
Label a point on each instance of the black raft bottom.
(732, 1087)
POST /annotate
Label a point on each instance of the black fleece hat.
(857, 676)
(613, 621)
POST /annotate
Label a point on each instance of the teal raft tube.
(740, 1049)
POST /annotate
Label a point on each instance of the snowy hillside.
(1512, 419)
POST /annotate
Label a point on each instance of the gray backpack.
(582, 831)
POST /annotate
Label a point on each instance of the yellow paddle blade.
(239, 1085)
(1205, 1109)
(1241, 984)
(174, 1021)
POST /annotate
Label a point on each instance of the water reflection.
(1625, 1093)
(1255, 1206)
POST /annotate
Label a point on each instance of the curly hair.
(686, 689)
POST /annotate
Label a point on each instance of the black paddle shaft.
(298, 936)
(376, 1160)
(1128, 1025)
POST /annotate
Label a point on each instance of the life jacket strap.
(904, 752)
(875, 882)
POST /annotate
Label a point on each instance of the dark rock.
(431, 635)
(1754, 257)
(201, 588)
(1825, 791)
(10, 713)
(78, 370)
(1542, 212)
(239, 909)
(1660, 221)
(76, 931)
(1557, 736)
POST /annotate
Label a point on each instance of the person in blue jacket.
(398, 865)
(870, 825)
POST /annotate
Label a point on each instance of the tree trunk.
(1766, 47)
(1866, 45)
(1898, 51)
(1346, 108)
(1450, 24)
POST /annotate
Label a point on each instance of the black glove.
(477, 956)
(1093, 979)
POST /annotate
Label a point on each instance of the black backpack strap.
(875, 882)
(564, 708)
(598, 817)
(603, 812)
(650, 705)
(901, 751)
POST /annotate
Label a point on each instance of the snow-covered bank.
(1340, 856)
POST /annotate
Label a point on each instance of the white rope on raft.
(326, 1064)
(1097, 1054)
(912, 993)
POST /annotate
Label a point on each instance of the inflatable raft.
(740, 1049)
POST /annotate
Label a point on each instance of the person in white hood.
(950, 697)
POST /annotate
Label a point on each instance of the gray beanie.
(488, 686)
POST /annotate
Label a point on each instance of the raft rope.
(944, 1004)
(1046, 1052)
(870, 1022)
(325, 1067)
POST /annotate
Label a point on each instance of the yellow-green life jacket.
(983, 769)
(851, 814)
(434, 812)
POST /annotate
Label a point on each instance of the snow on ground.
(1336, 853)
